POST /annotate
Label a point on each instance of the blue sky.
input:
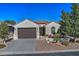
(34, 11)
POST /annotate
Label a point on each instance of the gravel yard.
(42, 45)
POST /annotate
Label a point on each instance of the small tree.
(66, 25)
(70, 21)
(75, 19)
(12, 22)
(3, 31)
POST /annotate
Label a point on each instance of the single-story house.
(30, 29)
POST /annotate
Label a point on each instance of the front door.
(42, 31)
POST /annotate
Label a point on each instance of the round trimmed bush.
(2, 46)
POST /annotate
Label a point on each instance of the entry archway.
(53, 30)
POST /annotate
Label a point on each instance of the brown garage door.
(26, 32)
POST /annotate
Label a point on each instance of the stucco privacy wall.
(50, 25)
(26, 24)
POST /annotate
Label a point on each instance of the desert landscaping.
(42, 45)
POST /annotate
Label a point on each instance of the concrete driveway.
(19, 46)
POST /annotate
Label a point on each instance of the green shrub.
(57, 38)
(65, 42)
(77, 41)
(2, 46)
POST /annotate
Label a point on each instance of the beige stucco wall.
(30, 24)
(26, 24)
(50, 25)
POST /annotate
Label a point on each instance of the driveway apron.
(20, 45)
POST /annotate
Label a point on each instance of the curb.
(38, 52)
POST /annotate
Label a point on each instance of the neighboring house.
(30, 29)
(11, 31)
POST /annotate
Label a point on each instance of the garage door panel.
(26, 32)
